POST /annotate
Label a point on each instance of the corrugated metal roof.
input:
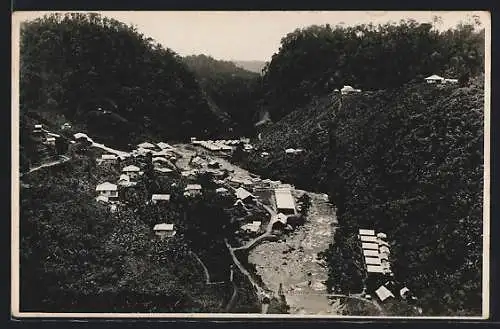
(164, 227)
(372, 261)
(368, 238)
(284, 199)
(131, 168)
(383, 293)
(366, 232)
(165, 197)
(371, 253)
(374, 269)
(372, 246)
(106, 186)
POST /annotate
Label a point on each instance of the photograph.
(250, 164)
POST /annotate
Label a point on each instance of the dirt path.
(293, 263)
(62, 159)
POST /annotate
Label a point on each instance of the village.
(271, 210)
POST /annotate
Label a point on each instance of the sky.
(250, 35)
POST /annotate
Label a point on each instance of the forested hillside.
(409, 162)
(232, 90)
(305, 128)
(73, 64)
(315, 60)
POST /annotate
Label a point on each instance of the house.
(37, 129)
(374, 269)
(102, 198)
(252, 227)
(450, 81)
(284, 201)
(156, 198)
(221, 190)
(366, 232)
(146, 145)
(264, 154)
(280, 223)
(244, 195)
(193, 189)
(51, 141)
(434, 79)
(368, 238)
(108, 190)
(164, 146)
(383, 293)
(404, 292)
(65, 126)
(372, 261)
(157, 161)
(213, 164)
(163, 170)
(124, 180)
(385, 249)
(164, 230)
(370, 253)
(381, 235)
(107, 158)
(348, 90)
(369, 246)
(131, 171)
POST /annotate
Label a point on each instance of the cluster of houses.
(162, 156)
(375, 252)
(438, 80)
(376, 259)
(43, 136)
(223, 146)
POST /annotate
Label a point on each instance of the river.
(292, 261)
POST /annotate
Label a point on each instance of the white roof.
(284, 199)
(242, 194)
(384, 256)
(289, 150)
(106, 186)
(193, 187)
(368, 238)
(374, 269)
(383, 293)
(434, 77)
(403, 291)
(451, 80)
(372, 246)
(146, 145)
(385, 249)
(165, 197)
(164, 170)
(102, 198)
(254, 226)
(164, 227)
(159, 159)
(124, 177)
(281, 218)
(80, 135)
(131, 168)
(382, 235)
(366, 232)
(163, 145)
(372, 261)
(221, 190)
(38, 126)
(108, 157)
(371, 253)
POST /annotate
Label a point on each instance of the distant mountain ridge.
(252, 66)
